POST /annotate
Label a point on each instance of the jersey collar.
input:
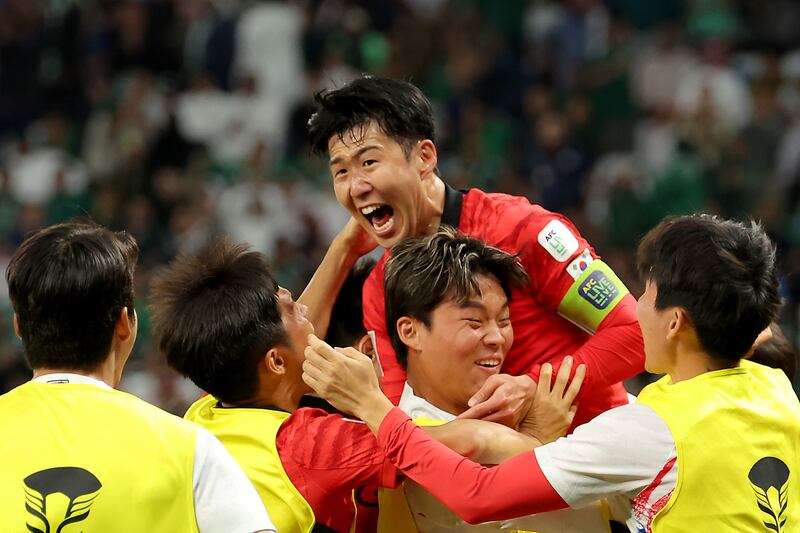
(69, 377)
(451, 212)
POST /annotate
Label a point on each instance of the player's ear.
(274, 361)
(679, 322)
(428, 157)
(408, 330)
(365, 346)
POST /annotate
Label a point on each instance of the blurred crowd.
(177, 120)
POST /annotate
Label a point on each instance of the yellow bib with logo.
(249, 435)
(736, 433)
(84, 458)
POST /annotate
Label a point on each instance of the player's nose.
(359, 185)
(494, 336)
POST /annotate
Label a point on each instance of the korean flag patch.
(579, 264)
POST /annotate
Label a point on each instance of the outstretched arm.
(321, 292)
(484, 442)
(474, 492)
(623, 451)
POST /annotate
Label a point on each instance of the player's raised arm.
(320, 293)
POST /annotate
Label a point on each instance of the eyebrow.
(474, 304)
(338, 159)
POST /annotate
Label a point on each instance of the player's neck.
(689, 365)
(280, 395)
(104, 372)
(435, 193)
(425, 389)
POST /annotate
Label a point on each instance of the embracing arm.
(483, 442)
(474, 492)
(619, 452)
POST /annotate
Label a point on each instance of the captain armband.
(593, 295)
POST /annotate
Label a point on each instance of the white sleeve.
(621, 452)
(224, 499)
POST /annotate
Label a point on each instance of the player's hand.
(356, 240)
(503, 399)
(553, 409)
(345, 378)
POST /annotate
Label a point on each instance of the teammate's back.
(73, 449)
(87, 453)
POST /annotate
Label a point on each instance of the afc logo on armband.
(598, 290)
(558, 240)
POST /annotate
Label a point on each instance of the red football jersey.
(574, 305)
(335, 463)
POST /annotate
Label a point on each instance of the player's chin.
(389, 241)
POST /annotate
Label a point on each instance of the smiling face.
(464, 345)
(382, 188)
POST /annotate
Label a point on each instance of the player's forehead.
(357, 138)
(489, 296)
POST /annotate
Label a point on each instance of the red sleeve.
(374, 309)
(474, 492)
(613, 354)
(548, 243)
(332, 452)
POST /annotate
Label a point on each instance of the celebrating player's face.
(296, 325)
(381, 187)
(464, 345)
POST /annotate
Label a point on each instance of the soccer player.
(448, 296)
(712, 446)
(379, 137)
(74, 450)
(221, 319)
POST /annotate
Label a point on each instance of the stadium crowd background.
(180, 119)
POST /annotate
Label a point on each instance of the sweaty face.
(375, 181)
(297, 326)
(464, 345)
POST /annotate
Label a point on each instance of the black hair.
(215, 315)
(721, 272)
(347, 317)
(68, 284)
(423, 272)
(399, 108)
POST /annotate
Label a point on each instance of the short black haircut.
(399, 108)
(721, 272)
(777, 352)
(215, 315)
(68, 284)
(347, 317)
(424, 272)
